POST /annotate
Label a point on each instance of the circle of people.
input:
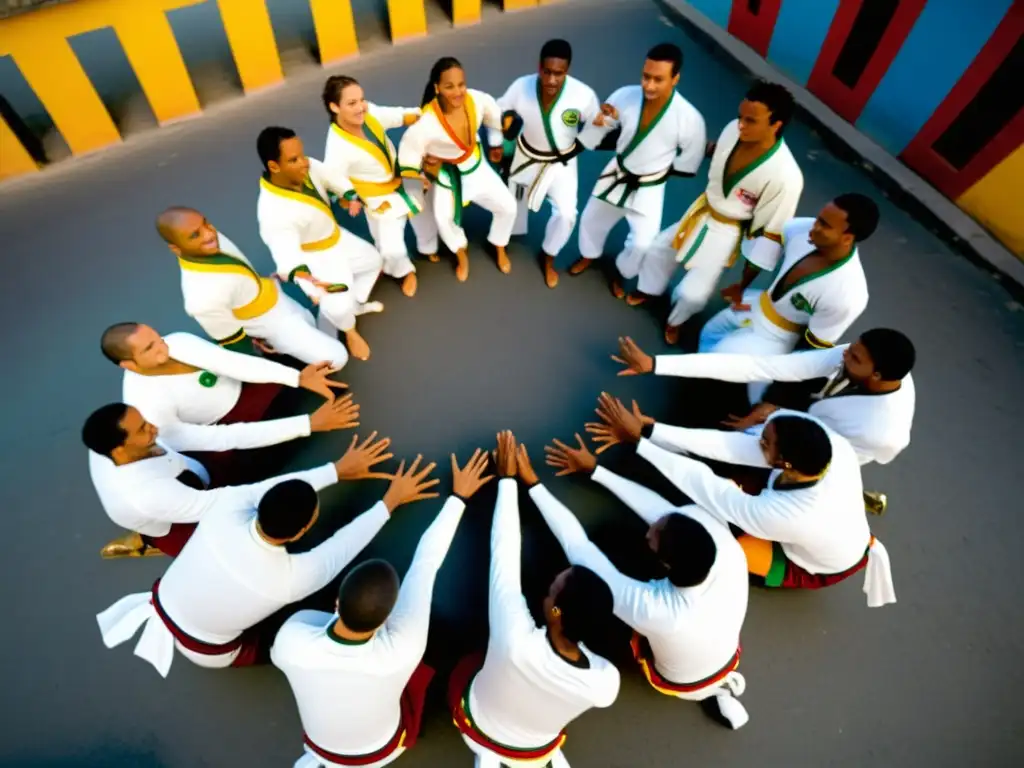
(357, 674)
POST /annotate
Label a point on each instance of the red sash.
(642, 653)
(397, 741)
(458, 698)
(189, 642)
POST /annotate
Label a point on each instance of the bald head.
(135, 347)
(187, 232)
(115, 342)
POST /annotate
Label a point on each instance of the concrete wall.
(915, 81)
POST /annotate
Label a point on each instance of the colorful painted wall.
(939, 83)
(62, 64)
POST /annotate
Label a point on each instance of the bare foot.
(550, 274)
(672, 334)
(617, 290)
(462, 265)
(579, 266)
(369, 308)
(409, 284)
(357, 346)
(433, 258)
(501, 256)
(635, 299)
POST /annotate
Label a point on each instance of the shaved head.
(114, 342)
(187, 232)
(170, 223)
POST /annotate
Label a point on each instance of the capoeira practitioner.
(806, 529)
(155, 492)
(754, 186)
(235, 572)
(203, 397)
(360, 153)
(662, 134)
(448, 131)
(819, 291)
(868, 396)
(357, 674)
(337, 271)
(686, 625)
(232, 302)
(553, 106)
(534, 681)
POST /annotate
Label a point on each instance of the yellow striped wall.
(38, 43)
(994, 201)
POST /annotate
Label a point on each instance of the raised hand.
(505, 456)
(354, 207)
(525, 468)
(634, 358)
(335, 414)
(410, 485)
(314, 378)
(359, 460)
(758, 415)
(470, 479)
(618, 424)
(570, 460)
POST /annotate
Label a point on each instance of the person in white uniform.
(754, 186)
(687, 624)
(203, 397)
(807, 527)
(357, 674)
(336, 269)
(533, 681)
(359, 153)
(662, 134)
(235, 305)
(819, 291)
(553, 106)
(235, 573)
(868, 394)
(448, 131)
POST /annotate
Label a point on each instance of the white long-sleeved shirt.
(693, 631)
(526, 693)
(349, 694)
(147, 497)
(187, 406)
(822, 526)
(877, 425)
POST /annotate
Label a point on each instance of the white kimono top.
(295, 225)
(187, 406)
(761, 197)
(224, 291)
(821, 306)
(675, 140)
(877, 425)
(693, 631)
(367, 166)
(526, 693)
(546, 135)
(349, 692)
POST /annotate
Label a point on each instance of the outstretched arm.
(509, 615)
(728, 447)
(742, 369)
(648, 504)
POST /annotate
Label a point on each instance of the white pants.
(352, 261)
(598, 220)
(290, 329)
(220, 661)
(732, 332)
(693, 292)
(563, 190)
(484, 187)
(484, 758)
(312, 760)
(388, 235)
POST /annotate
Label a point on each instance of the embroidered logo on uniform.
(748, 198)
(571, 117)
(800, 302)
(207, 379)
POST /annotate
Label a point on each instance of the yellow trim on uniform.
(289, 194)
(369, 147)
(233, 338)
(692, 217)
(266, 296)
(815, 342)
(368, 189)
(773, 316)
(322, 245)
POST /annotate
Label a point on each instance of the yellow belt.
(327, 242)
(264, 301)
(692, 216)
(368, 189)
(768, 308)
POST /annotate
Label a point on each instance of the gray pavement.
(929, 681)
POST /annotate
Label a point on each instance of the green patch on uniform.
(571, 117)
(800, 302)
(777, 571)
(207, 379)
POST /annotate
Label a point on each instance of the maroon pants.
(797, 578)
(172, 542)
(224, 466)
